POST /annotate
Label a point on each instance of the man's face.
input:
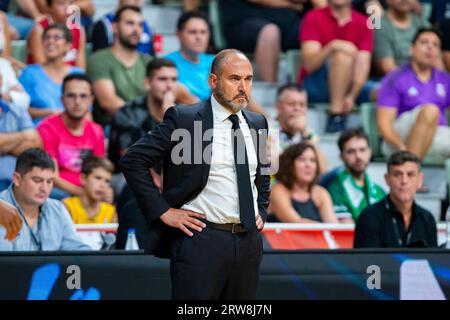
(194, 37)
(163, 80)
(233, 86)
(291, 104)
(97, 183)
(77, 99)
(426, 50)
(135, 3)
(356, 155)
(129, 29)
(404, 180)
(403, 6)
(58, 10)
(55, 45)
(35, 186)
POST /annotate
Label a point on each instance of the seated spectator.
(336, 49)
(445, 30)
(21, 25)
(292, 107)
(397, 221)
(142, 114)
(10, 220)
(93, 205)
(46, 223)
(86, 8)
(43, 81)
(5, 43)
(17, 132)
(118, 72)
(192, 61)
(297, 197)
(11, 91)
(366, 6)
(412, 102)
(103, 35)
(264, 28)
(59, 12)
(352, 189)
(70, 137)
(393, 38)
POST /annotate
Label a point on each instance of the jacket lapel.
(205, 115)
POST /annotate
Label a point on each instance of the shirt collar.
(395, 211)
(222, 114)
(329, 13)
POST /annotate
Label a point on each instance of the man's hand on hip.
(183, 219)
(259, 223)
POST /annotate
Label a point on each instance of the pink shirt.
(320, 25)
(69, 150)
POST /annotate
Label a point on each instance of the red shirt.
(71, 56)
(320, 25)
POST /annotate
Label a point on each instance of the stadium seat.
(368, 119)
(19, 48)
(214, 17)
(427, 8)
(293, 64)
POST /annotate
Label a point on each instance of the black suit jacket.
(183, 181)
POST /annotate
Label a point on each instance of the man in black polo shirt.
(397, 221)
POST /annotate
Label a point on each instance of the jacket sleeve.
(142, 156)
(263, 174)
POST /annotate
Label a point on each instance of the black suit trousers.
(215, 264)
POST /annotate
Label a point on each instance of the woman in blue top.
(43, 82)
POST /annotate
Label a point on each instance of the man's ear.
(147, 84)
(212, 80)
(114, 28)
(421, 178)
(83, 179)
(16, 178)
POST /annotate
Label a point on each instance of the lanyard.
(397, 234)
(396, 229)
(33, 236)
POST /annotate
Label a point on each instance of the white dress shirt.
(219, 200)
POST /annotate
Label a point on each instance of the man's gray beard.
(228, 103)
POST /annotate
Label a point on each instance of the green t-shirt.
(128, 82)
(349, 199)
(390, 41)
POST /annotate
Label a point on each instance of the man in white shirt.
(214, 201)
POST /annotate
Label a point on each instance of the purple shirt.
(401, 89)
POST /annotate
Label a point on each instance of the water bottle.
(132, 243)
(447, 225)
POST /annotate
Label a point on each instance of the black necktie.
(246, 208)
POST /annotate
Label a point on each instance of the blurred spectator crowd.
(87, 89)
